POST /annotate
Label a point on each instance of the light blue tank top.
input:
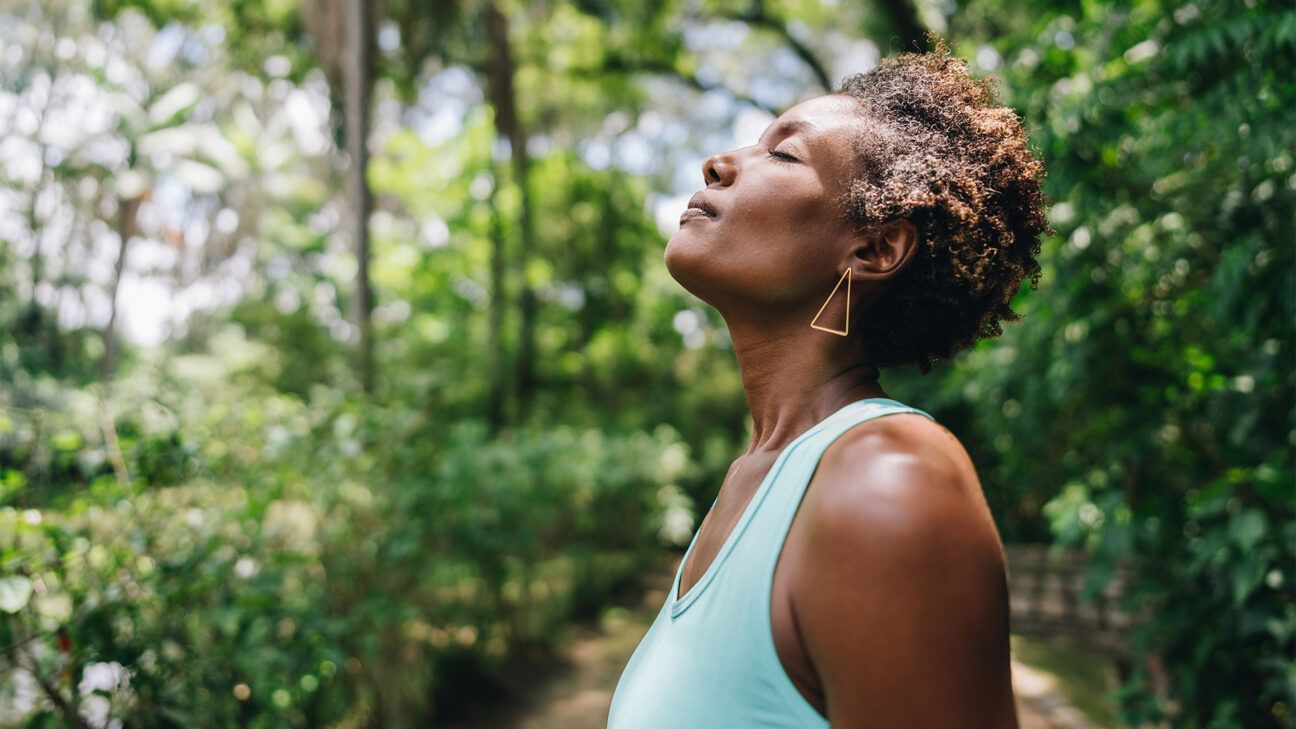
(709, 661)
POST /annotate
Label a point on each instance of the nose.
(718, 168)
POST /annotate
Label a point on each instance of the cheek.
(780, 211)
(783, 262)
(781, 229)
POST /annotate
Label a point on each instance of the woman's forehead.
(818, 115)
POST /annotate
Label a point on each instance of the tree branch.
(758, 17)
(69, 712)
(621, 64)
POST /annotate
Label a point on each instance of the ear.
(884, 250)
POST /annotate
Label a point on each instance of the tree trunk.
(125, 230)
(498, 395)
(503, 97)
(359, 85)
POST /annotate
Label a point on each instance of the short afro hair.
(941, 153)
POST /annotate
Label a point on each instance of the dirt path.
(576, 691)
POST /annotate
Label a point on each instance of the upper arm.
(903, 603)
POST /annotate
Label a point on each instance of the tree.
(359, 85)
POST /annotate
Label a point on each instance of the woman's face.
(768, 227)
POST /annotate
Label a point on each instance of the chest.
(715, 529)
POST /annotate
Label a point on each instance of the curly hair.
(940, 153)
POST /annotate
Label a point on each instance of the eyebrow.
(790, 127)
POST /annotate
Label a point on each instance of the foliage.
(309, 584)
(223, 526)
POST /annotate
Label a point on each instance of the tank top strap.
(792, 481)
(809, 446)
(757, 538)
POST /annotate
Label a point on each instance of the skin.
(889, 606)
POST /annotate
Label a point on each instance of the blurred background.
(342, 384)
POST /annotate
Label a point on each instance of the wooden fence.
(1046, 590)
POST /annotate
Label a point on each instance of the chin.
(689, 261)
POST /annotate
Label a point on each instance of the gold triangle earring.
(843, 332)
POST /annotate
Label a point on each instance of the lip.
(699, 201)
(691, 214)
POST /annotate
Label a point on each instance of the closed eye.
(784, 156)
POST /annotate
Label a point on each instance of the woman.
(849, 572)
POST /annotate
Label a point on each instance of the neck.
(795, 376)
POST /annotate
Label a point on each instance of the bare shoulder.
(902, 594)
(902, 489)
(903, 471)
(903, 440)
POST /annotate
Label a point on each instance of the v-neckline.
(679, 604)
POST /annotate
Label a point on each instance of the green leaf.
(1246, 578)
(1248, 528)
(15, 592)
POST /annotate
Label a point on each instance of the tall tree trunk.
(125, 230)
(498, 395)
(503, 97)
(359, 86)
(604, 305)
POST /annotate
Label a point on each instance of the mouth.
(698, 207)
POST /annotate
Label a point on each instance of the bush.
(302, 579)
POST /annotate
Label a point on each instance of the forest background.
(331, 382)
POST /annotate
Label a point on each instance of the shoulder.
(901, 594)
(898, 496)
(903, 474)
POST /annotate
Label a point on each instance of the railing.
(1045, 591)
